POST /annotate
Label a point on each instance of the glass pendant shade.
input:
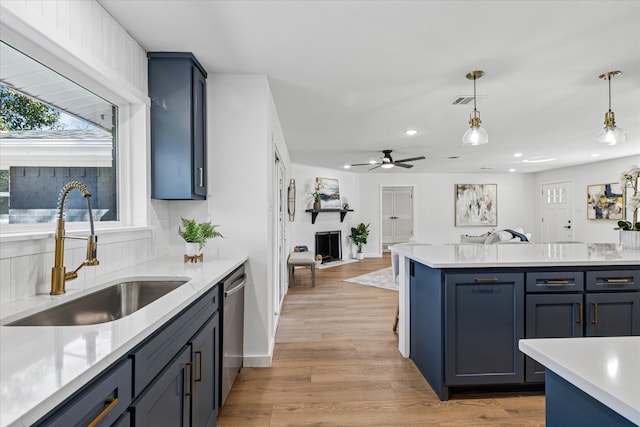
(612, 136)
(475, 136)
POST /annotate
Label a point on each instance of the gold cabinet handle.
(190, 392)
(201, 171)
(595, 313)
(579, 313)
(616, 280)
(111, 403)
(486, 280)
(556, 282)
(199, 353)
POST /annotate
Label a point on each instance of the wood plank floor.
(336, 363)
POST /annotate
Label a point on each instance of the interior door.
(396, 215)
(557, 212)
(279, 198)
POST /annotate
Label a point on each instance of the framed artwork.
(605, 201)
(476, 205)
(329, 193)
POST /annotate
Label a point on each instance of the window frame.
(132, 123)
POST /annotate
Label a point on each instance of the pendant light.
(475, 135)
(611, 135)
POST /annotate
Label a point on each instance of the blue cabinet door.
(205, 356)
(166, 402)
(612, 314)
(484, 319)
(551, 316)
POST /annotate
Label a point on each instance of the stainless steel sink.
(112, 303)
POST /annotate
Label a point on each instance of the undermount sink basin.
(108, 304)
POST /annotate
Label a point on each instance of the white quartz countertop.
(606, 368)
(518, 255)
(43, 365)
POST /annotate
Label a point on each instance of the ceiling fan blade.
(364, 164)
(402, 165)
(375, 167)
(411, 159)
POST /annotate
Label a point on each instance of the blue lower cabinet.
(101, 402)
(484, 320)
(171, 379)
(568, 406)
(166, 402)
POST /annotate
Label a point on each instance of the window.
(52, 131)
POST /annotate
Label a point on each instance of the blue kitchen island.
(464, 308)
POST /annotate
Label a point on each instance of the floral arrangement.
(316, 194)
(629, 179)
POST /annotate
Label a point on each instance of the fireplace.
(329, 245)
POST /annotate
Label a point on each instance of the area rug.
(336, 263)
(379, 279)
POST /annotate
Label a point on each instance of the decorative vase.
(630, 239)
(316, 205)
(192, 249)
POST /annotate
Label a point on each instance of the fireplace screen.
(329, 245)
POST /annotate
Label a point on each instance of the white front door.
(396, 215)
(557, 212)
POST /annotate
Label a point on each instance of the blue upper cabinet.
(177, 88)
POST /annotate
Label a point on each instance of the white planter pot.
(360, 255)
(192, 249)
(630, 239)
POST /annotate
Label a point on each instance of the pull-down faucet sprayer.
(58, 273)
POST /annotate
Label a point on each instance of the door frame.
(413, 210)
(279, 232)
(570, 186)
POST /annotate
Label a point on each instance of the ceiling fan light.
(387, 165)
(475, 135)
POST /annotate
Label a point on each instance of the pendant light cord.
(609, 78)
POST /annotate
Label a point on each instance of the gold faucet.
(59, 276)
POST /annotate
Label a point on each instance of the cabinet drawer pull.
(190, 392)
(556, 282)
(111, 403)
(486, 280)
(616, 280)
(579, 313)
(595, 313)
(201, 171)
(199, 353)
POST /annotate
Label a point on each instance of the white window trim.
(132, 134)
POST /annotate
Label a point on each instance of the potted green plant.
(196, 234)
(630, 229)
(359, 235)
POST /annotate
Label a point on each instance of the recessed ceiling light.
(347, 166)
(410, 132)
(594, 155)
(512, 170)
(537, 160)
(517, 154)
(373, 162)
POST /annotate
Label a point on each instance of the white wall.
(434, 204)
(589, 231)
(243, 131)
(302, 231)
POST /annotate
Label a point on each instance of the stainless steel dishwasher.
(232, 329)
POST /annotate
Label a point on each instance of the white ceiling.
(348, 77)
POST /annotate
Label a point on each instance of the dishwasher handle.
(236, 288)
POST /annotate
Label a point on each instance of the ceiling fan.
(386, 161)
